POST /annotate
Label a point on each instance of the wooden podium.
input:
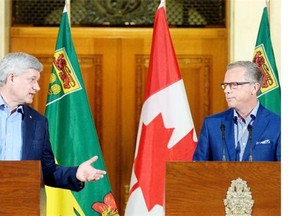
(199, 188)
(20, 188)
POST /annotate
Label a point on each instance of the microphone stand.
(222, 127)
(250, 142)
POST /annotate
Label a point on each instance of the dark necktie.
(238, 152)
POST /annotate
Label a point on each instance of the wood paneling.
(114, 63)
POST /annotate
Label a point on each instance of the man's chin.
(29, 101)
(231, 105)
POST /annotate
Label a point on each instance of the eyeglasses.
(233, 85)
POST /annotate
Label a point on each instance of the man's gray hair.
(17, 63)
(253, 72)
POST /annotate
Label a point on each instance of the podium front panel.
(199, 188)
(20, 188)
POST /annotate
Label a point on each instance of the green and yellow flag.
(72, 133)
(270, 95)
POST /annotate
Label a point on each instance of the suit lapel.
(258, 127)
(229, 135)
(27, 133)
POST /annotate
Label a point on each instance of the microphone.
(222, 127)
(250, 141)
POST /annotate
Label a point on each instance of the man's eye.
(32, 80)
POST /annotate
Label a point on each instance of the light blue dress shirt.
(241, 131)
(10, 132)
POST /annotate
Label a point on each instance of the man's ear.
(10, 77)
(256, 88)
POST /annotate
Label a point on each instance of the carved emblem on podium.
(238, 200)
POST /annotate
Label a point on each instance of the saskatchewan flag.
(72, 133)
(270, 95)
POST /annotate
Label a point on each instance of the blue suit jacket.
(36, 146)
(266, 137)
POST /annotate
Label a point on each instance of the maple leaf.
(152, 155)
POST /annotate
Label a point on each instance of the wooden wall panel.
(196, 71)
(92, 74)
(114, 63)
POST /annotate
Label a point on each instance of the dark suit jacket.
(36, 146)
(266, 137)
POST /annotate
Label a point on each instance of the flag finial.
(67, 9)
(162, 4)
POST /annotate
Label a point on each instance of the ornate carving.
(238, 200)
(185, 13)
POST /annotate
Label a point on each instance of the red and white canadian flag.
(166, 130)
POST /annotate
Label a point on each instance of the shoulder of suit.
(224, 114)
(32, 112)
(268, 112)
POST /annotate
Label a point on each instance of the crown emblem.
(238, 200)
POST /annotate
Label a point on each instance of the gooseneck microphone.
(222, 127)
(250, 141)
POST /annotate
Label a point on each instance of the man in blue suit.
(245, 132)
(24, 132)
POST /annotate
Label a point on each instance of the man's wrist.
(81, 184)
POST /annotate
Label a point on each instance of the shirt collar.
(252, 114)
(2, 104)
(19, 109)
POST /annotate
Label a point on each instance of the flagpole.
(162, 3)
(268, 8)
(67, 4)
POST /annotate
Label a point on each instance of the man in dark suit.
(24, 132)
(245, 132)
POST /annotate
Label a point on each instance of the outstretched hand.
(86, 172)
